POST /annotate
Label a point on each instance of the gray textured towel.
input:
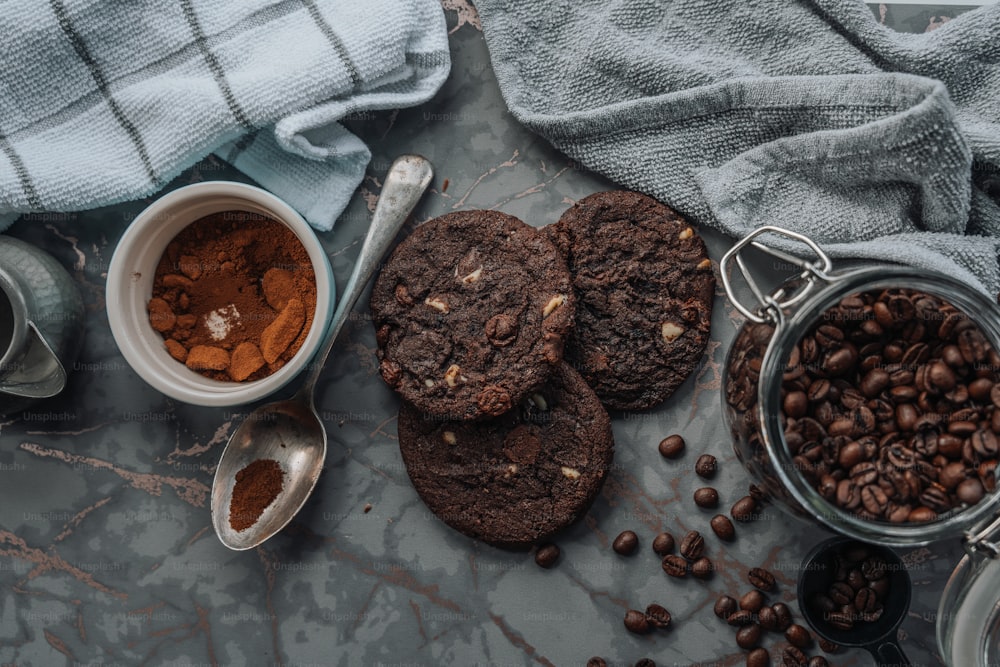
(806, 114)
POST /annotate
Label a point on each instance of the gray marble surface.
(107, 556)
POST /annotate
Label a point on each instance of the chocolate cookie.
(516, 479)
(644, 288)
(471, 312)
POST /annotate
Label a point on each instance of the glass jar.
(759, 359)
(968, 619)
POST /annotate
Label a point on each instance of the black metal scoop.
(878, 637)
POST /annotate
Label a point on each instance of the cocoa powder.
(234, 296)
(257, 485)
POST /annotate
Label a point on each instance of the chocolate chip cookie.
(644, 288)
(471, 312)
(516, 479)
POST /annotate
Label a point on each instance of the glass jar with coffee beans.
(867, 398)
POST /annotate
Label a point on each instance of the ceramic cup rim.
(130, 279)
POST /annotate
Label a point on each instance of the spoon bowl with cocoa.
(273, 460)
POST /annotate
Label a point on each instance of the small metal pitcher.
(41, 322)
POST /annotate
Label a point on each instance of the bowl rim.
(149, 233)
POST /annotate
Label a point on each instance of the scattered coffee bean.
(817, 661)
(663, 544)
(547, 555)
(761, 578)
(723, 528)
(798, 636)
(675, 566)
(626, 543)
(693, 545)
(783, 615)
(828, 646)
(597, 662)
(752, 601)
(767, 619)
(702, 568)
(658, 616)
(744, 509)
(672, 446)
(741, 617)
(635, 621)
(748, 636)
(645, 662)
(706, 497)
(793, 657)
(725, 606)
(889, 406)
(705, 466)
(759, 657)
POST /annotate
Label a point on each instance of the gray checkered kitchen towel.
(807, 114)
(102, 102)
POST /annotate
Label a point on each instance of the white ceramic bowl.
(130, 286)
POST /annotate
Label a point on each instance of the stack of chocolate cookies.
(483, 323)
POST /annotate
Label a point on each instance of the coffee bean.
(547, 555)
(702, 568)
(657, 616)
(663, 544)
(759, 657)
(671, 446)
(874, 499)
(828, 646)
(706, 497)
(723, 528)
(635, 621)
(752, 601)
(817, 661)
(741, 617)
(597, 662)
(840, 620)
(783, 615)
(970, 491)
(874, 382)
(874, 568)
(793, 657)
(761, 578)
(744, 509)
(767, 619)
(705, 466)
(841, 593)
(645, 662)
(725, 606)
(795, 404)
(856, 580)
(922, 515)
(865, 600)
(626, 543)
(798, 636)
(675, 566)
(693, 545)
(748, 636)
(880, 586)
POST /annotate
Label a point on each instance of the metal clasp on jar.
(771, 307)
(980, 540)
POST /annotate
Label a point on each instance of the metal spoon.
(290, 432)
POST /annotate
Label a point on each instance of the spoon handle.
(404, 185)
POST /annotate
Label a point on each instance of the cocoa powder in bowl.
(234, 296)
